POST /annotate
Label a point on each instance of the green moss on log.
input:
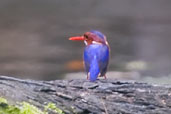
(26, 108)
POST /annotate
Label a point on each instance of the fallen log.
(83, 97)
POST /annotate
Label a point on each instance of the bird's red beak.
(77, 38)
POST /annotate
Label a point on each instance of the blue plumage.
(96, 58)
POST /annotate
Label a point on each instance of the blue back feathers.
(96, 59)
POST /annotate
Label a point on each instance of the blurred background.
(34, 38)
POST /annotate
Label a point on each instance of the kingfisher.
(96, 54)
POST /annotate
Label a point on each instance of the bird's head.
(92, 37)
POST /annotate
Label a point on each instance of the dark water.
(34, 36)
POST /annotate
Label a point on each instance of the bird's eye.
(86, 36)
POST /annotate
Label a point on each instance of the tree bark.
(85, 97)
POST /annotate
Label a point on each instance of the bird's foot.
(88, 76)
(102, 76)
(105, 77)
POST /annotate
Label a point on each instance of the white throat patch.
(94, 42)
(85, 42)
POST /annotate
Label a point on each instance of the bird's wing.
(103, 59)
(87, 58)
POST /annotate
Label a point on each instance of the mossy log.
(84, 97)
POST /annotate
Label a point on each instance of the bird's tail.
(94, 69)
